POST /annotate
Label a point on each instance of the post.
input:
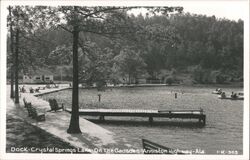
(99, 97)
(175, 95)
(61, 73)
(101, 118)
(150, 119)
(202, 120)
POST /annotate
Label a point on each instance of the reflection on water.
(224, 121)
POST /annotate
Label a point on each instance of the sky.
(233, 10)
(230, 10)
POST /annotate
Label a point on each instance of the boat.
(241, 95)
(217, 91)
(237, 96)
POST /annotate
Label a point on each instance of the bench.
(154, 148)
(36, 115)
(32, 112)
(29, 109)
(54, 105)
(25, 103)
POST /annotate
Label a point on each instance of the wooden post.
(175, 95)
(99, 97)
(150, 119)
(202, 121)
(101, 118)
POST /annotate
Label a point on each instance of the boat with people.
(233, 96)
(217, 91)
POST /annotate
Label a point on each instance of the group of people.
(51, 85)
(233, 95)
(32, 90)
(219, 90)
(223, 94)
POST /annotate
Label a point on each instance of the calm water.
(224, 123)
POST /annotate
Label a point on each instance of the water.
(224, 121)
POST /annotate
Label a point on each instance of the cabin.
(38, 78)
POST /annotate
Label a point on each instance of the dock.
(181, 114)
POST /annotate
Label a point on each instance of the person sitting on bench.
(23, 89)
(31, 90)
(37, 89)
(48, 86)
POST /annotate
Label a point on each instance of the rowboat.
(217, 92)
(238, 96)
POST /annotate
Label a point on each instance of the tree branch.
(66, 29)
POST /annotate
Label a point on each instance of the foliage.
(129, 64)
(177, 41)
(169, 80)
(96, 65)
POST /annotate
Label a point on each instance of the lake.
(224, 121)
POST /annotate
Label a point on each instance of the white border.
(4, 13)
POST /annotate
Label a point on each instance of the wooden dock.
(181, 114)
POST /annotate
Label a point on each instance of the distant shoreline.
(230, 85)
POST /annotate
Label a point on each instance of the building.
(38, 78)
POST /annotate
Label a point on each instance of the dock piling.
(150, 119)
(101, 118)
(99, 97)
(202, 120)
(150, 114)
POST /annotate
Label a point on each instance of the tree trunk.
(129, 78)
(12, 56)
(16, 67)
(11, 82)
(74, 121)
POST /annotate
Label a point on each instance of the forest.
(127, 48)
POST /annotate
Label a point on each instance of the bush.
(100, 85)
(220, 79)
(198, 74)
(169, 80)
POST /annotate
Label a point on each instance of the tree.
(103, 21)
(129, 63)
(97, 65)
(61, 55)
(74, 121)
(16, 63)
(94, 20)
(24, 21)
(11, 54)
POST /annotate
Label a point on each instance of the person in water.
(223, 94)
(233, 95)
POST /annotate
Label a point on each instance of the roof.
(40, 71)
